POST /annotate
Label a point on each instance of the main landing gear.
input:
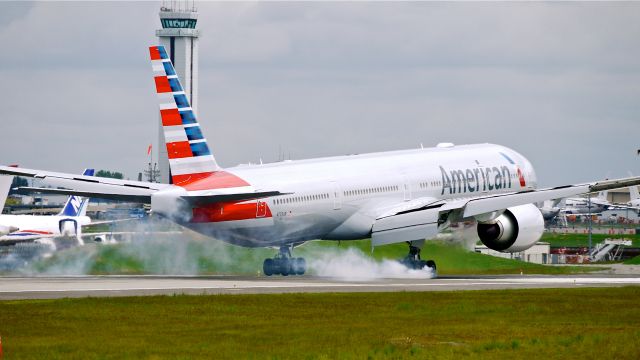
(413, 260)
(283, 264)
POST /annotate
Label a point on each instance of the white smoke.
(77, 261)
(353, 264)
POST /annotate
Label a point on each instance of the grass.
(175, 256)
(515, 324)
(633, 261)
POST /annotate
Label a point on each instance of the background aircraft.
(632, 204)
(21, 228)
(551, 208)
(399, 196)
(581, 205)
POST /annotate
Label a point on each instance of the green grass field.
(576, 323)
(633, 261)
(214, 257)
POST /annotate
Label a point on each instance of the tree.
(110, 174)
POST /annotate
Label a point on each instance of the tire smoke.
(353, 264)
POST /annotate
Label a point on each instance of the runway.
(15, 288)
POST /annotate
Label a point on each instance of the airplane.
(634, 197)
(551, 208)
(580, 205)
(632, 204)
(24, 228)
(390, 197)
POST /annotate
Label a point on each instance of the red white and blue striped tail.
(190, 157)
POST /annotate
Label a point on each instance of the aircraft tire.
(285, 267)
(431, 264)
(267, 267)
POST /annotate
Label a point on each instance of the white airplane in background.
(551, 208)
(580, 205)
(634, 197)
(23, 228)
(399, 196)
(632, 204)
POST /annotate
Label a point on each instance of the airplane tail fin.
(190, 157)
(633, 193)
(5, 186)
(75, 205)
(602, 195)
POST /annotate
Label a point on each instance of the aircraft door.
(407, 188)
(261, 209)
(337, 196)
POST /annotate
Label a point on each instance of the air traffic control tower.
(180, 38)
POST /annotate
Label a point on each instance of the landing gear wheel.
(432, 265)
(283, 264)
(414, 262)
(285, 267)
(267, 267)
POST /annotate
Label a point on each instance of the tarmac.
(17, 288)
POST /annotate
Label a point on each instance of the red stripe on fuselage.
(162, 84)
(170, 117)
(228, 211)
(38, 232)
(179, 149)
(208, 181)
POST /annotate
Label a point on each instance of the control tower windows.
(178, 23)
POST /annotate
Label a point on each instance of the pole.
(590, 228)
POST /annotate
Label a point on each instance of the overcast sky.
(558, 82)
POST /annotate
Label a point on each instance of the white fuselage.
(29, 227)
(340, 197)
(581, 206)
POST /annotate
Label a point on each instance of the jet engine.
(4, 230)
(68, 227)
(516, 229)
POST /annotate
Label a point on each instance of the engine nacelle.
(4, 230)
(68, 227)
(516, 229)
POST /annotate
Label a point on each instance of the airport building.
(179, 36)
(538, 253)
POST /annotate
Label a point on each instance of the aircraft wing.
(89, 186)
(426, 220)
(623, 207)
(115, 189)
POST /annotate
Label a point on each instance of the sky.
(557, 82)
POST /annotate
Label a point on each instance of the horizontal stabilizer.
(88, 186)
